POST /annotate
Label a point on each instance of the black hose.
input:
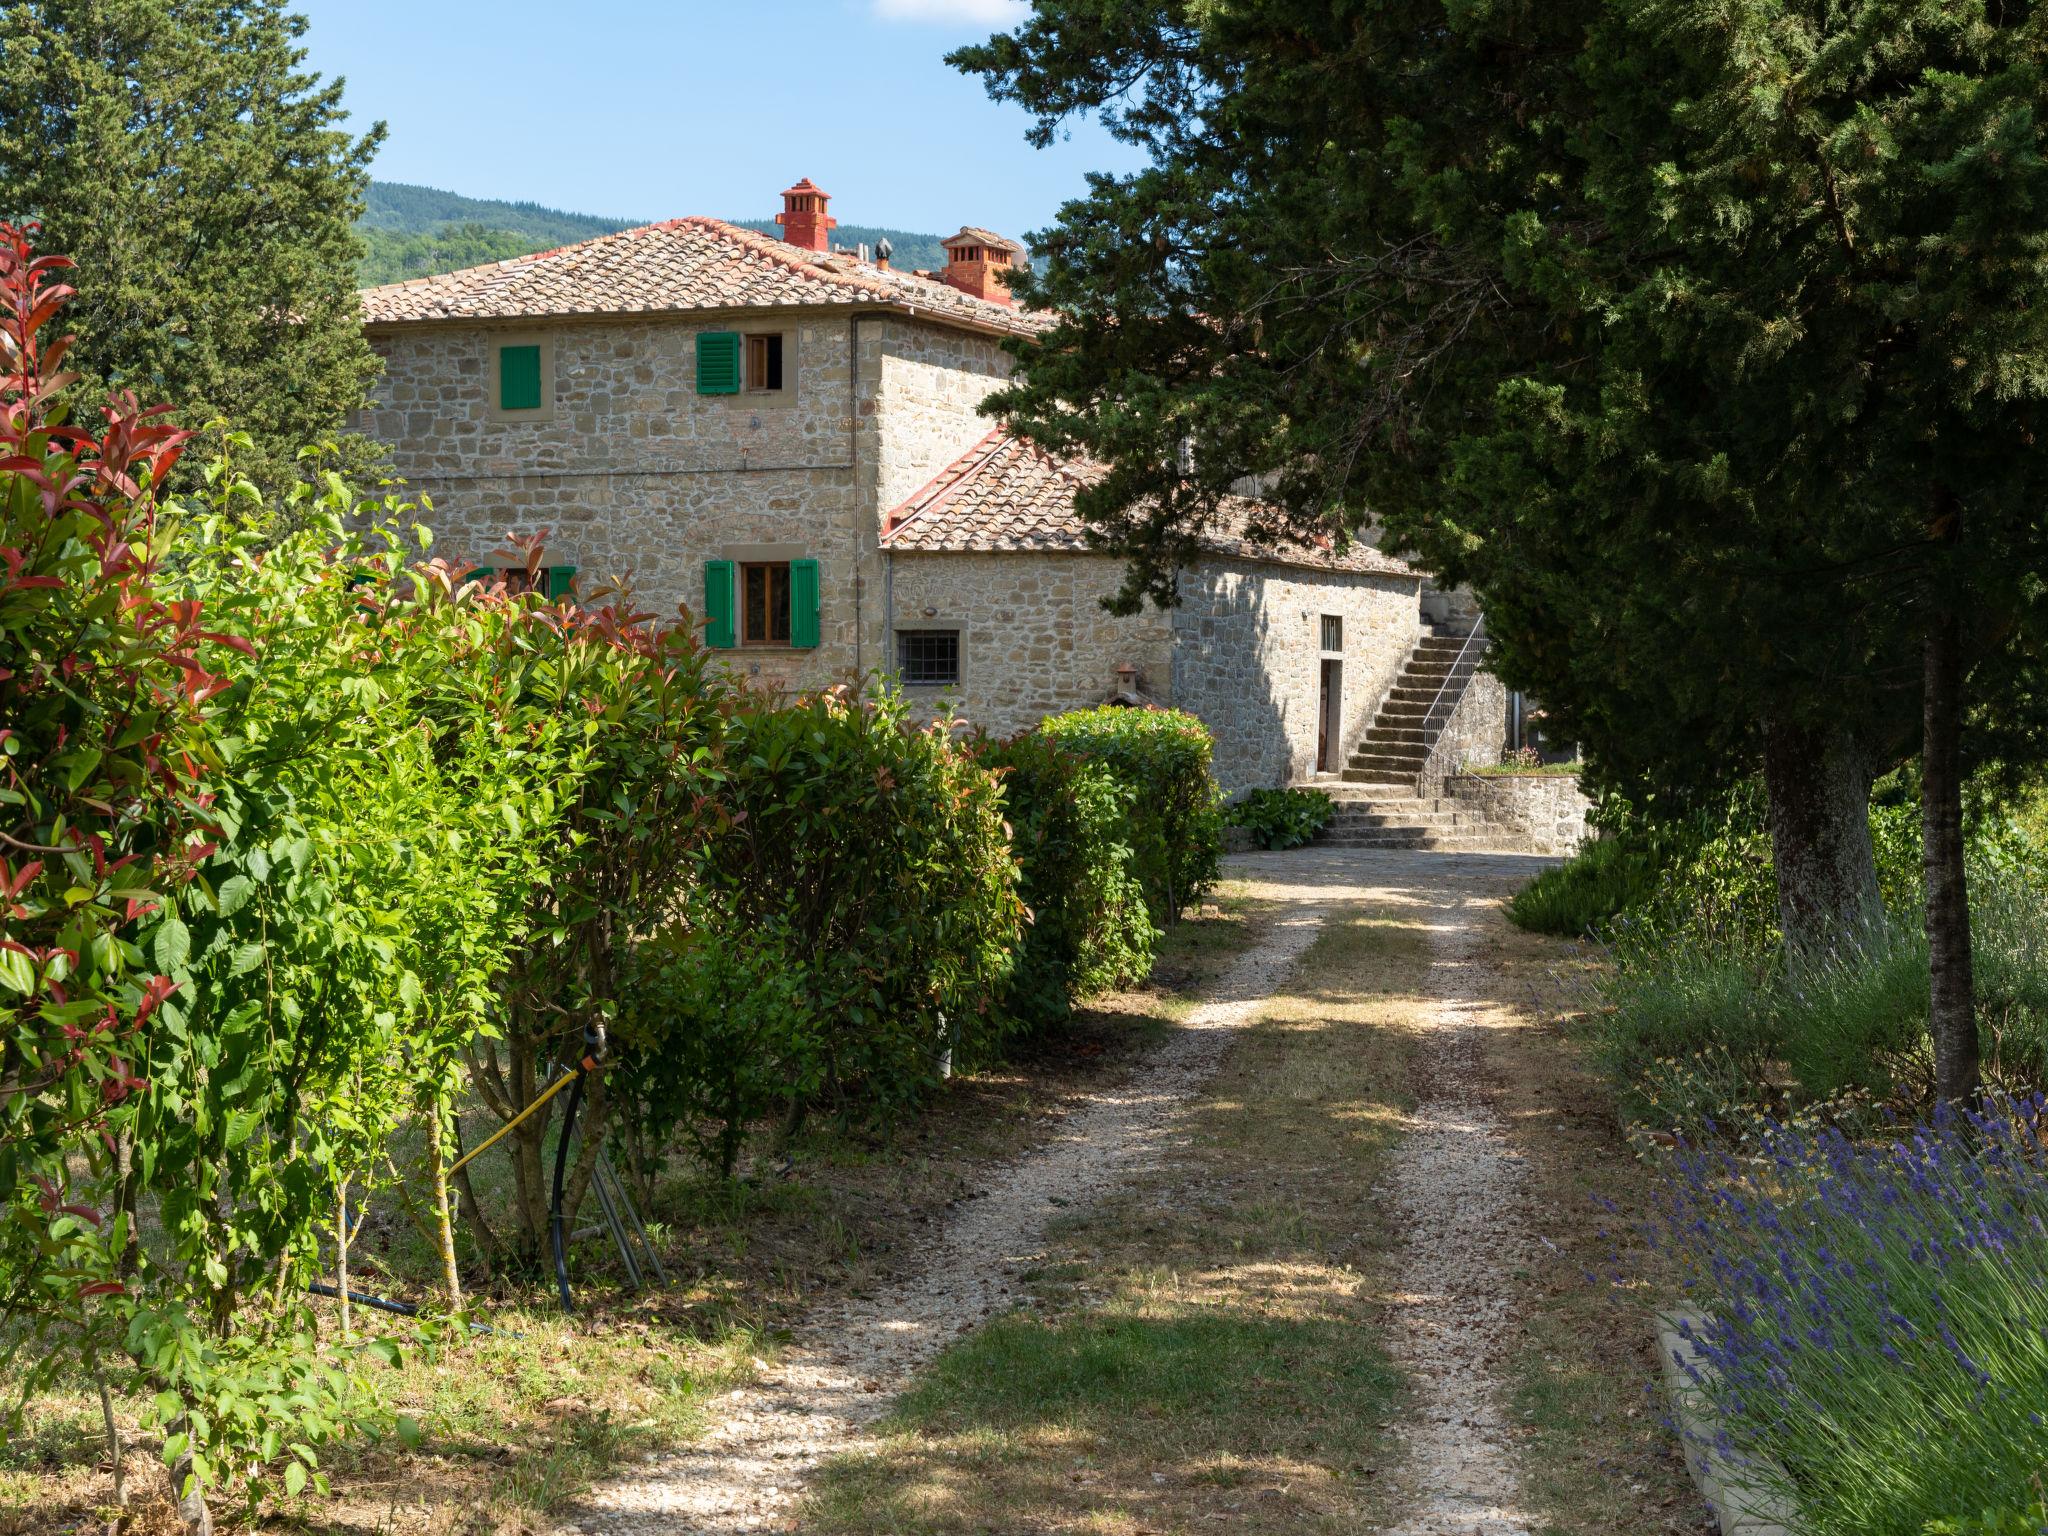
(557, 1222)
(403, 1309)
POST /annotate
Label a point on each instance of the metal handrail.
(1478, 635)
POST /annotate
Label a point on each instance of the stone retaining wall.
(1548, 808)
(1475, 732)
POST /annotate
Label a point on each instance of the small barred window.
(928, 658)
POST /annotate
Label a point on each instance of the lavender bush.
(1878, 1343)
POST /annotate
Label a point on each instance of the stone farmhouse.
(783, 437)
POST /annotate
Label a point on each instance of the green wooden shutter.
(718, 604)
(803, 602)
(718, 362)
(519, 378)
(560, 580)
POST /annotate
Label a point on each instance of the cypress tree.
(1705, 341)
(181, 152)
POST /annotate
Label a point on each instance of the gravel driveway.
(1452, 1176)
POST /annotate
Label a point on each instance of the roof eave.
(931, 316)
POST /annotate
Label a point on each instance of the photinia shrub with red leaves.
(103, 803)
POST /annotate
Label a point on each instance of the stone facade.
(1034, 636)
(636, 478)
(927, 401)
(1548, 808)
(1247, 655)
(639, 479)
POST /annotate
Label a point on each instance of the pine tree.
(180, 151)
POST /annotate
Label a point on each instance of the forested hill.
(414, 231)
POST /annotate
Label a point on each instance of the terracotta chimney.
(803, 217)
(980, 263)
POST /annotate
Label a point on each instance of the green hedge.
(876, 848)
(1162, 757)
(1090, 927)
(852, 925)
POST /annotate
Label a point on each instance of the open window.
(764, 363)
(764, 603)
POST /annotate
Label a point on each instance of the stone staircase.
(1372, 818)
(1378, 798)
(1391, 752)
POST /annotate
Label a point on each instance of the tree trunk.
(113, 1443)
(1817, 780)
(1952, 1003)
(191, 1503)
(444, 1220)
(341, 1259)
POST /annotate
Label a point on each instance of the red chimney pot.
(803, 218)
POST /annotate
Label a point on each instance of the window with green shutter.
(803, 603)
(718, 604)
(560, 581)
(718, 362)
(519, 378)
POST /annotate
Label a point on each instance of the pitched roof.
(1006, 494)
(674, 268)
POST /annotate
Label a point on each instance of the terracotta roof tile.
(1005, 494)
(675, 267)
(970, 234)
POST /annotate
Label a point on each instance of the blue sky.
(640, 109)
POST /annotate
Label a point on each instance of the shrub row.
(308, 838)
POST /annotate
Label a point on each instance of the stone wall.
(1473, 735)
(929, 384)
(1547, 808)
(1034, 636)
(1247, 658)
(636, 477)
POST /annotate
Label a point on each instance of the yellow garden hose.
(510, 1125)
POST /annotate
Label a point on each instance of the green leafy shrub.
(714, 1026)
(871, 852)
(1176, 826)
(1089, 926)
(1283, 818)
(1603, 879)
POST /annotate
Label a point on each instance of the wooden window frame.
(743, 619)
(752, 398)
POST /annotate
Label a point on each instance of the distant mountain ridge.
(413, 231)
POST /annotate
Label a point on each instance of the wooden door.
(1328, 704)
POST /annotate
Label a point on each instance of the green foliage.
(1176, 828)
(1089, 927)
(2009, 1521)
(1581, 895)
(872, 851)
(1282, 818)
(391, 257)
(402, 208)
(216, 220)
